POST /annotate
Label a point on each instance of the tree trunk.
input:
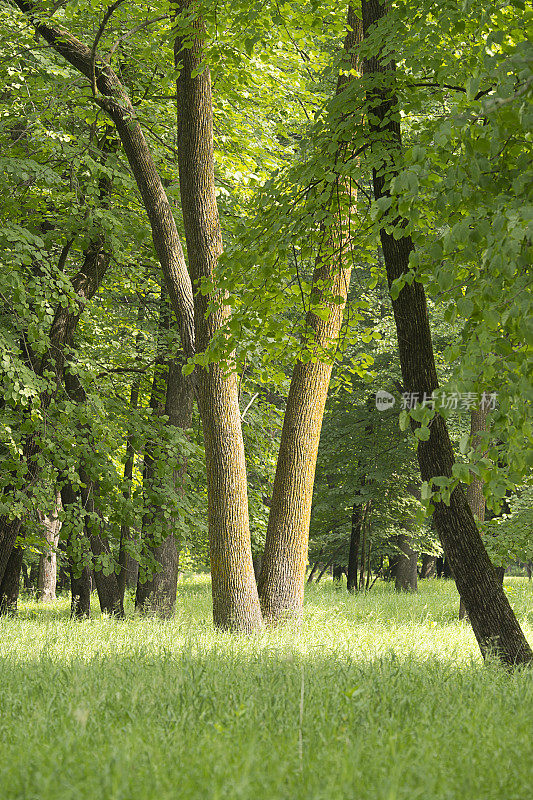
(158, 594)
(46, 582)
(79, 570)
(10, 585)
(493, 622)
(406, 568)
(355, 538)
(282, 582)
(428, 566)
(235, 599)
(128, 566)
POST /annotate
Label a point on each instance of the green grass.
(378, 697)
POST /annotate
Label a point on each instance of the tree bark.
(80, 575)
(406, 568)
(10, 585)
(235, 599)
(282, 581)
(428, 569)
(47, 580)
(493, 622)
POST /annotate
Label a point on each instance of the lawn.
(379, 696)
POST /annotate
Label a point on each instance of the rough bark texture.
(10, 585)
(46, 582)
(406, 579)
(493, 621)
(235, 600)
(282, 581)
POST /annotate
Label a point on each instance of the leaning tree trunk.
(406, 567)
(282, 581)
(47, 579)
(235, 599)
(493, 621)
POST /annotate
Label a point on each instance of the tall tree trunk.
(80, 574)
(355, 538)
(406, 568)
(128, 565)
(282, 581)
(235, 599)
(46, 582)
(474, 492)
(10, 584)
(493, 622)
(175, 400)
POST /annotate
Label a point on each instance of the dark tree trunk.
(428, 569)
(494, 624)
(80, 573)
(10, 586)
(406, 568)
(353, 556)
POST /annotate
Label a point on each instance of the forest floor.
(378, 696)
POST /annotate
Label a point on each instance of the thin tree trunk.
(493, 622)
(368, 568)
(47, 580)
(128, 565)
(355, 538)
(235, 599)
(282, 582)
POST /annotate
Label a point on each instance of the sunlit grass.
(376, 696)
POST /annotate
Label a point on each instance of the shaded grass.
(396, 704)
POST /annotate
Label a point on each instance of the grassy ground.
(380, 697)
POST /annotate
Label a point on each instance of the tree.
(282, 581)
(493, 621)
